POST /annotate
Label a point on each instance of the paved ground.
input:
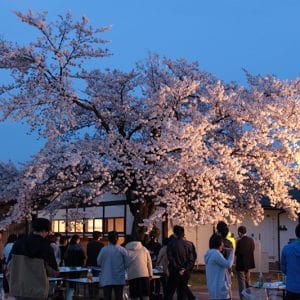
(202, 294)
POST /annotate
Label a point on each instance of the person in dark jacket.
(223, 230)
(153, 245)
(33, 253)
(93, 248)
(74, 257)
(63, 245)
(244, 259)
(182, 256)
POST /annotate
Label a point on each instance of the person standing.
(74, 257)
(54, 243)
(139, 269)
(153, 245)
(217, 267)
(93, 248)
(31, 262)
(244, 259)
(223, 230)
(63, 246)
(12, 238)
(182, 256)
(163, 262)
(290, 266)
(113, 261)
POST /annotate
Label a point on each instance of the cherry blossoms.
(174, 139)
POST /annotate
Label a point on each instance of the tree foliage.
(174, 139)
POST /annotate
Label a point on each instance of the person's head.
(63, 240)
(154, 233)
(128, 239)
(171, 237)
(41, 226)
(166, 241)
(178, 231)
(96, 235)
(113, 237)
(57, 237)
(21, 236)
(11, 238)
(222, 229)
(75, 239)
(51, 238)
(297, 231)
(242, 230)
(216, 242)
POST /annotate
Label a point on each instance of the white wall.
(265, 236)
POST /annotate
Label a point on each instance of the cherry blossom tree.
(174, 139)
(9, 178)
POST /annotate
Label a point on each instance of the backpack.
(27, 277)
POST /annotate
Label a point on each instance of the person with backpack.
(30, 263)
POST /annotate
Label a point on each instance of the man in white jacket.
(113, 261)
(217, 275)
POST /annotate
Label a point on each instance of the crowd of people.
(29, 260)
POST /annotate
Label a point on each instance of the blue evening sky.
(262, 36)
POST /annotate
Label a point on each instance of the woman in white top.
(216, 266)
(139, 270)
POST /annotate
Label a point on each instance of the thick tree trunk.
(140, 211)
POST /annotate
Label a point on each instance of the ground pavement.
(202, 294)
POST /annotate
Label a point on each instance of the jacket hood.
(209, 254)
(295, 248)
(134, 246)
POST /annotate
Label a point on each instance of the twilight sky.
(262, 36)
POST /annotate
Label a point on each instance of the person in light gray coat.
(139, 269)
(217, 276)
(113, 261)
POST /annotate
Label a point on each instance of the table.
(157, 271)
(274, 286)
(83, 280)
(94, 282)
(53, 279)
(64, 270)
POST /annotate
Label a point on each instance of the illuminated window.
(55, 226)
(119, 224)
(110, 224)
(116, 224)
(71, 226)
(89, 225)
(79, 226)
(62, 225)
(104, 225)
(98, 225)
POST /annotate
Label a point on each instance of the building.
(113, 213)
